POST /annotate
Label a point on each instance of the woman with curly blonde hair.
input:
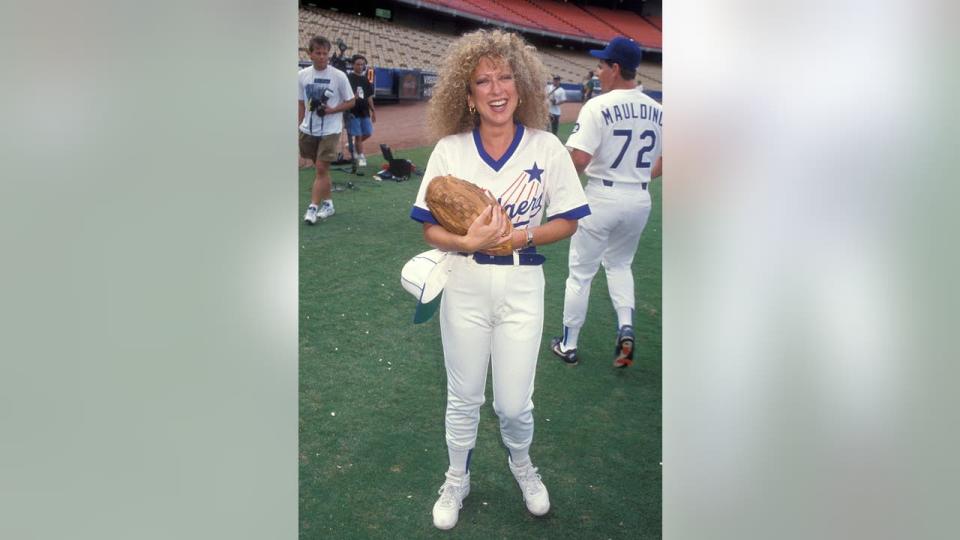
(448, 114)
(489, 107)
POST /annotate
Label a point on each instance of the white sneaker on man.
(326, 210)
(454, 490)
(311, 216)
(362, 161)
(534, 492)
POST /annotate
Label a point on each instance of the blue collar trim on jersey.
(494, 163)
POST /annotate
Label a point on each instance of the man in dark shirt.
(363, 114)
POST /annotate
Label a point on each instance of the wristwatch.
(529, 238)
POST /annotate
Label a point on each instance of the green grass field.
(372, 391)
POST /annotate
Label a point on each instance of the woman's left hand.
(486, 230)
(506, 233)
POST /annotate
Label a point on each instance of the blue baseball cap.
(621, 50)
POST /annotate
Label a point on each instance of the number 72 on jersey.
(648, 139)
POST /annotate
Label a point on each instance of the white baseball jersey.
(555, 96)
(621, 130)
(312, 85)
(535, 173)
(491, 311)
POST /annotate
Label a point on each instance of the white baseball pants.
(609, 235)
(491, 315)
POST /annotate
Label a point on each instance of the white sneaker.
(311, 216)
(446, 510)
(362, 161)
(534, 492)
(326, 210)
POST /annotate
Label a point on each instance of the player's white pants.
(610, 235)
(491, 315)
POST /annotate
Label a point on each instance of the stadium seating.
(543, 17)
(383, 44)
(494, 10)
(569, 16)
(392, 45)
(562, 18)
(629, 24)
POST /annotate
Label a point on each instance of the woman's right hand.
(487, 231)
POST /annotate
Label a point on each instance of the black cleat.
(569, 357)
(624, 347)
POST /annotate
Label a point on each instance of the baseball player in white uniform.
(617, 141)
(491, 310)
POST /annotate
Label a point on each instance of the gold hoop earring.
(472, 109)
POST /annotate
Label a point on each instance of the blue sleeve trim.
(576, 213)
(423, 216)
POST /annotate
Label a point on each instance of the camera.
(338, 60)
(318, 105)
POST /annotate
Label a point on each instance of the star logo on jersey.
(534, 173)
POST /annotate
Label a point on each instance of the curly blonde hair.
(447, 112)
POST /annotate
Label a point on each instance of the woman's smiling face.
(493, 92)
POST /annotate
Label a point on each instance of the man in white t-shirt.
(555, 96)
(324, 93)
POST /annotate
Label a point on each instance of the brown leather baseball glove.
(456, 204)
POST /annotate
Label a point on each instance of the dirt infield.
(404, 125)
